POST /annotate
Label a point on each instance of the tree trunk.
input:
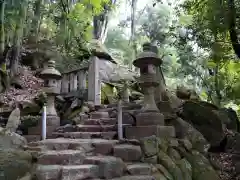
(100, 22)
(161, 88)
(2, 33)
(18, 39)
(216, 84)
(133, 31)
(37, 19)
(232, 28)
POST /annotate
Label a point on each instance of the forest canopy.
(198, 40)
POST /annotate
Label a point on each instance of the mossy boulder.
(149, 145)
(186, 169)
(185, 130)
(169, 164)
(14, 164)
(201, 167)
(11, 140)
(206, 119)
(164, 171)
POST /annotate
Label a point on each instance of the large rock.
(14, 164)
(149, 146)
(206, 119)
(186, 169)
(231, 119)
(170, 165)
(186, 130)
(14, 120)
(11, 140)
(201, 167)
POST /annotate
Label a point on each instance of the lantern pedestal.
(51, 76)
(139, 132)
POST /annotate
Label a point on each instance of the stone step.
(73, 172)
(99, 114)
(96, 128)
(136, 178)
(106, 109)
(127, 152)
(139, 169)
(102, 121)
(63, 157)
(109, 166)
(104, 148)
(72, 144)
(86, 135)
(32, 138)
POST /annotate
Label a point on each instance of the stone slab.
(81, 172)
(149, 118)
(49, 172)
(63, 157)
(109, 166)
(103, 148)
(128, 152)
(73, 172)
(102, 121)
(96, 128)
(138, 132)
(86, 135)
(139, 169)
(32, 138)
(99, 114)
(135, 178)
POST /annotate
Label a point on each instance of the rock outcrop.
(15, 163)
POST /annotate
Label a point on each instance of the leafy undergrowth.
(30, 87)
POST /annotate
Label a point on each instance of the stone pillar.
(50, 106)
(73, 82)
(94, 83)
(125, 95)
(65, 84)
(82, 81)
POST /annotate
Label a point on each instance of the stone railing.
(73, 81)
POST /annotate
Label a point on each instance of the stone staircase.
(91, 151)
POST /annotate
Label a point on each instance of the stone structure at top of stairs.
(150, 121)
(150, 151)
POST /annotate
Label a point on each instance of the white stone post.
(44, 122)
(120, 129)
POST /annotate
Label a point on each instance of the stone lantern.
(149, 121)
(51, 77)
(148, 61)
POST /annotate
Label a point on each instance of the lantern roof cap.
(50, 72)
(148, 56)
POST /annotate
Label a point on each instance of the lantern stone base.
(51, 121)
(138, 132)
(149, 118)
